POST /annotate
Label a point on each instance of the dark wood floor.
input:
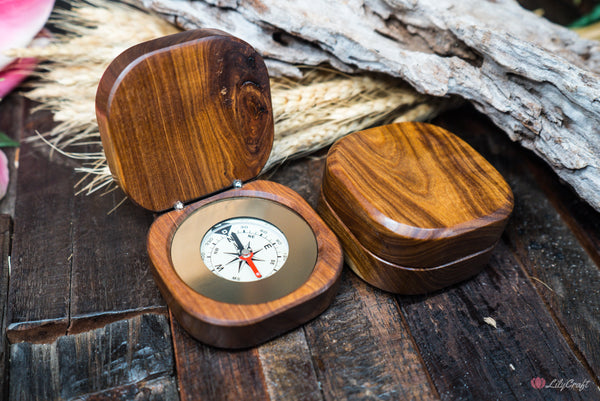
(84, 320)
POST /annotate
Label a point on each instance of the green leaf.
(5, 141)
(588, 19)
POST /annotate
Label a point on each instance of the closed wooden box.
(415, 207)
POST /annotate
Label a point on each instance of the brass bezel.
(186, 260)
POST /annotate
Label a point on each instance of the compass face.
(244, 249)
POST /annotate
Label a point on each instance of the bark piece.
(534, 79)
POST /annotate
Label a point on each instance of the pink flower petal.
(20, 21)
(3, 174)
(14, 73)
(19, 69)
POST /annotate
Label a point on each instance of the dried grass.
(310, 113)
(591, 32)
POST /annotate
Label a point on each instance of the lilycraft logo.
(561, 384)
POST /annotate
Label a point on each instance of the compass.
(186, 124)
(244, 250)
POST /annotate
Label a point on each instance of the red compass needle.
(248, 259)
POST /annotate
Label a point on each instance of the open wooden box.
(183, 119)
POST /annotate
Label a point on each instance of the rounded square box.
(416, 208)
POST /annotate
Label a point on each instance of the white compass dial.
(244, 249)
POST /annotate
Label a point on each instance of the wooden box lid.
(184, 116)
(416, 195)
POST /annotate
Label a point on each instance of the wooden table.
(84, 319)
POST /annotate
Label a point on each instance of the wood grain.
(517, 68)
(395, 278)
(127, 354)
(564, 274)
(235, 326)
(185, 115)
(5, 238)
(288, 368)
(39, 289)
(110, 274)
(210, 374)
(470, 359)
(415, 195)
(363, 351)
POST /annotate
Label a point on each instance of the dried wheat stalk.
(591, 32)
(310, 112)
(535, 80)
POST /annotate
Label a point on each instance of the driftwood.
(535, 80)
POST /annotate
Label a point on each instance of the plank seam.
(416, 346)
(4, 390)
(169, 316)
(71, 240)
(312, 362)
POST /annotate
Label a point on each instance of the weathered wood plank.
(470, 359)
(362, 350)
(161, 389)
(207, 373)
(76, 267)
(41, 256)
(565, 276)
(581, 218)
(125, 356)
(562, 271)
(111, 273)
(5, 233)
(288, 369)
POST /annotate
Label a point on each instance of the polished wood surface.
(395, 278)
(233, 325)
(416, 195)
(184, 116)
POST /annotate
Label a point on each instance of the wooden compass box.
(182, 118)
(415, 207)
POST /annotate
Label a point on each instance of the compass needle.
(250, 262)
(237, 241)
(245, 234)
(231, 261)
